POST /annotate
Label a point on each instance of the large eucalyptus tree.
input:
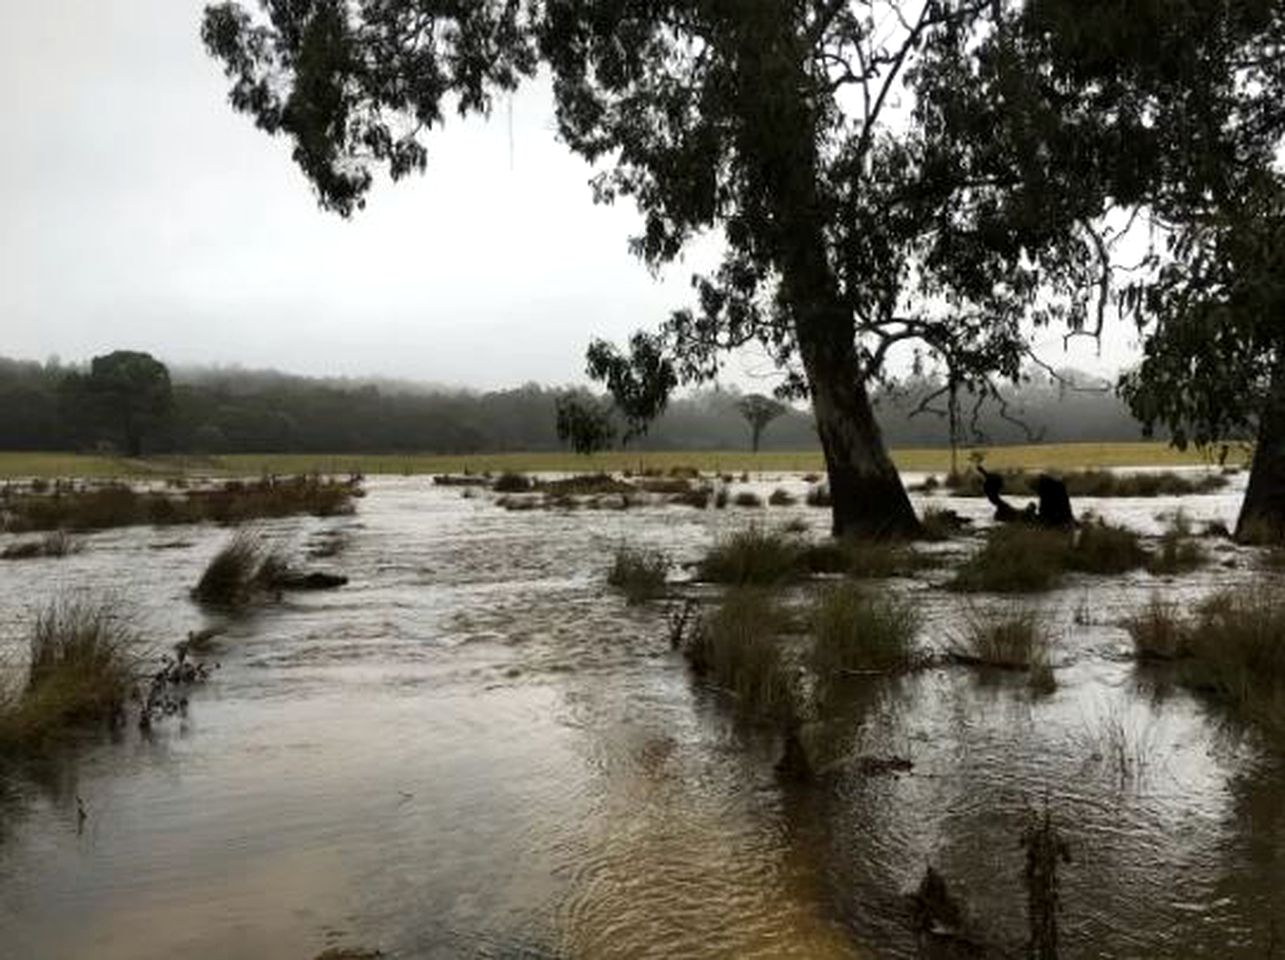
(791, 127)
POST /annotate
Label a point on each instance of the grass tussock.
(55, 543)
(1158, 631)
(1097, 483)
(753, 556)
(855, 631)
(241, 572)
(1178, 552)
(747, 498)
(1015, 639)
(234, 501)
(82, 667)
(818, 496)
(511, 482)
(1017, 558)
(782, 498)
(638, 573)
(939, 523)
(738, 648)
(864, 559)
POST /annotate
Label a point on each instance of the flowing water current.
(475, 749)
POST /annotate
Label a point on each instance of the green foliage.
(759, 411)
(126, 397)
(585, 424)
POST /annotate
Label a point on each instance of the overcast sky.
(140, 212)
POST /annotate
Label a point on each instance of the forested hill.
(219, 410)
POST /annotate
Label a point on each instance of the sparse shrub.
(510, 482)
(752, 556)
(857, 631)
(639, 574)
(1013, 640)
(738, 648)
(83, 663)
(782, 498)
(747, 498)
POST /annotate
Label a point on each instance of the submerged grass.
(1015, 639)
(233, 501)
(83, 662)
(55, 543)
(1097, 483)
(855, 631)
(1017, 558)
(738, 648)
(753, 556)
(1179, 552)
(241, 572)
(638, 573)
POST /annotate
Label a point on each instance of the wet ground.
(475, 749)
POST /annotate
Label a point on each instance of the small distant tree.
(585, 423)
(758, 412)
(126, 397)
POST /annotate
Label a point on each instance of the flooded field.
(475, 748)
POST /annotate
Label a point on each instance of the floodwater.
(476, 750)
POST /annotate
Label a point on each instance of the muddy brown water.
(475, 749)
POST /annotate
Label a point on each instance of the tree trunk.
(1262, 514)
(755, 433)
(866, 493)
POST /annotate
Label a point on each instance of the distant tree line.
(129, 403)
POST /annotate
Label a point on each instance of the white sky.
(140, 212)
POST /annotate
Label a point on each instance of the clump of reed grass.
(738, 648)
(1237, 647)
(1015, 639)
(241, 572)
(752, 556)
(55, 543)
(747, 498)
(1017, 558)
(234, 501)
(510, 482)
(83, 662)
(940, 523)
(863, 559)
(855, 631)
(1158, 631)
(697, 497)
(721, 496)
(781, 497)
(638, 573)
(1178, 552)
(581, 485)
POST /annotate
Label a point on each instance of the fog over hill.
(229, 409)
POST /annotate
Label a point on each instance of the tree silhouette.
(125, 397)
(758, 412)
(584, 423)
